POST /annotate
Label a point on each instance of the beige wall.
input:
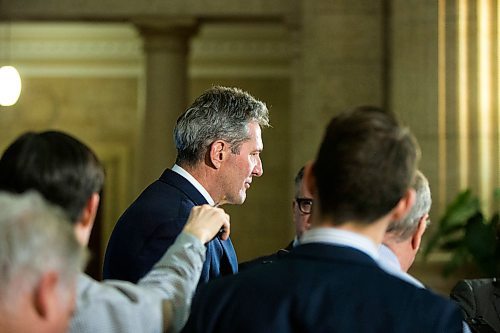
(436, 84)
(339, 65)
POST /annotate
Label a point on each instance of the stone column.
(166, 46)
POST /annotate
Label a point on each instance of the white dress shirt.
(179, 170)
(390, 263)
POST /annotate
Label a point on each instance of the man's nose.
(258, 170)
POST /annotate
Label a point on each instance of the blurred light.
(463, 92)
(10, 85)
(485, 105)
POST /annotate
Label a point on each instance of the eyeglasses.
(305, 205)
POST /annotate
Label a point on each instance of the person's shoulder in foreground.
(361, 181)
(303, 292)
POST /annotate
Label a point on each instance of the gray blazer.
(121, 307)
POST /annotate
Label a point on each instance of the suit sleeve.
(176, 276)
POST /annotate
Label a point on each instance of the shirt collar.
(341, 237)
(389, 258)
(179, 170)
(389, 262)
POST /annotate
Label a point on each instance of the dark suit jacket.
(269, 259)
(150, 225)
(320, 288)
(479, 300)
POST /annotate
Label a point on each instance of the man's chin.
(235, 200)
(241, 199)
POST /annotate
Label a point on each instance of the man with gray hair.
(402, 238)
(218, 141)
(40, 259)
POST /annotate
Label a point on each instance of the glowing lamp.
(10, 85)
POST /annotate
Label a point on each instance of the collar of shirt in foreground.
(341, 237)
(388, 259)
(194, 182)
(390, 263)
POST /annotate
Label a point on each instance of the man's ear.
(90, 210)
(46, 295)
(218, 152)
(83, 227)
(404, 205)
(417, 236)
(294, 204)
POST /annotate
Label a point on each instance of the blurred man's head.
(403, 237)
(39, 263)
(222, 131)
(302, 205)
(364, 167)
(61, 168)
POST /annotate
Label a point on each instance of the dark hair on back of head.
(60, 167)
(364, 166)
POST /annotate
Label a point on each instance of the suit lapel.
(174, 179)
(229, 256)
(226, 261)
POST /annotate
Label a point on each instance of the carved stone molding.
(241, 50)
(165, 34)
(73, 50)
(59, 41)
(115, 50)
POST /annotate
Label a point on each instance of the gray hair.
(35, 238)
(405, 228)
(220, 113)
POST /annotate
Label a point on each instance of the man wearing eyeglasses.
(301, 208)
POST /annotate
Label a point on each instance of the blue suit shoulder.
(149, 226)
(320, 289)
